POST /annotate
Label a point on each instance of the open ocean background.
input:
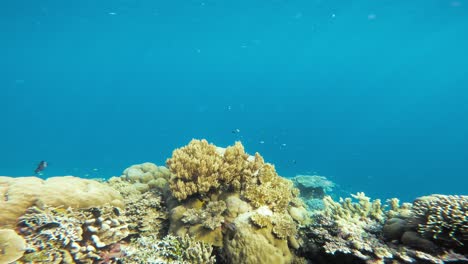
(372, 94)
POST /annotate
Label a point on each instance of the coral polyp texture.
(442, 218)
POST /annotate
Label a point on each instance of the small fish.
(235, 131)
(40, 167)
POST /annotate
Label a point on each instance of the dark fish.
(40, 167)
(235, 131)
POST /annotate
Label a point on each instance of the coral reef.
(170, 250)
(145, 211)
(209, 217)
(12, 246)
(313, 189)
(24, 192)
(200, 168)
(313, 186)
(430, 223)
(53, 235)
(349, 232)
(226, 197)
(219, 204)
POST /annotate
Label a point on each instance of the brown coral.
(200, 167)
(442, 218)
(195, 168)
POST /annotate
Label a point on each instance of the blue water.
(372, 93)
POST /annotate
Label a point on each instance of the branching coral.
(144, 207)
(200, 167)
(272, 190)
(170, 250)
(347, 229)
(231, 178)
(57, 234)
(355, 212)
(196, 169)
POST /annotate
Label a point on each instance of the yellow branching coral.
(277, 194)
(200, 168)
(397, 210)
(350, 211)
(195, 168)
